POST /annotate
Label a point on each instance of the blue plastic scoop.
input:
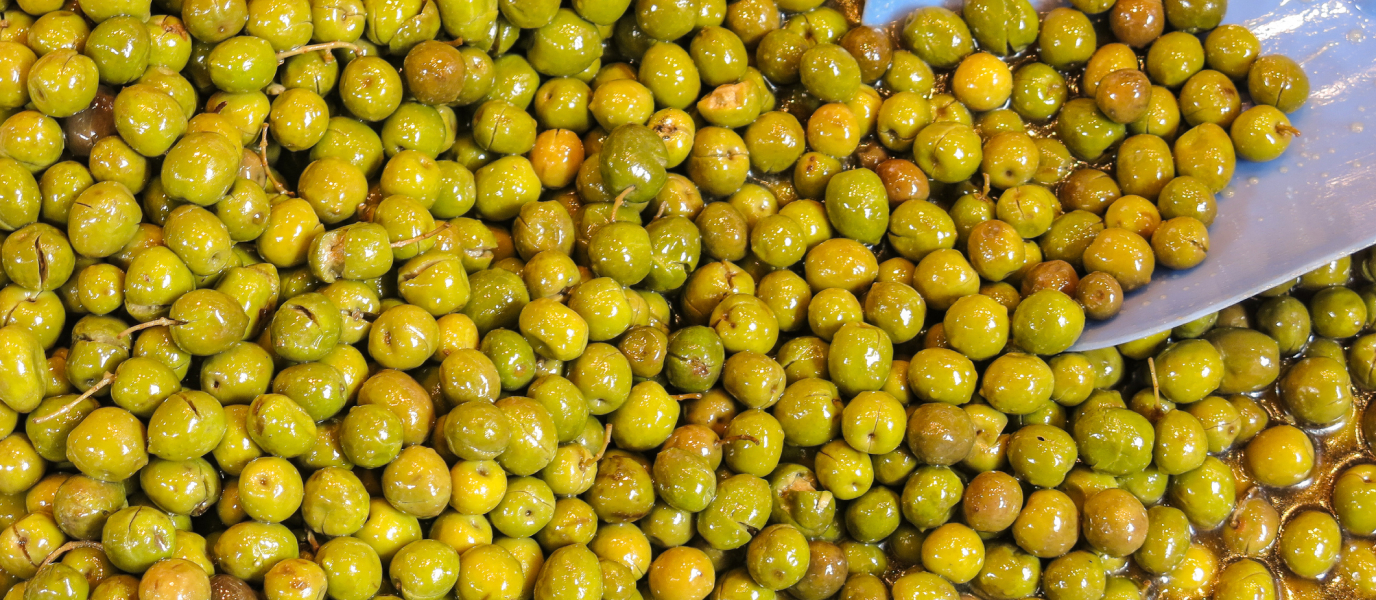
(1277, 220)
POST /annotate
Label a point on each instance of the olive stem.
(606, 441)
(73, 545)
(267, 166)
(1288, 130)
(310, 539)
(274, 89)
(986, 185)
(659, 213)
(620, 199)
(1155, 385)
(682, 397)
(422, 237)
(454, 42)
(285, 54)
(105, 380)
(151, 324)
(79, 399)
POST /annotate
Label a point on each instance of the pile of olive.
(652, 299)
